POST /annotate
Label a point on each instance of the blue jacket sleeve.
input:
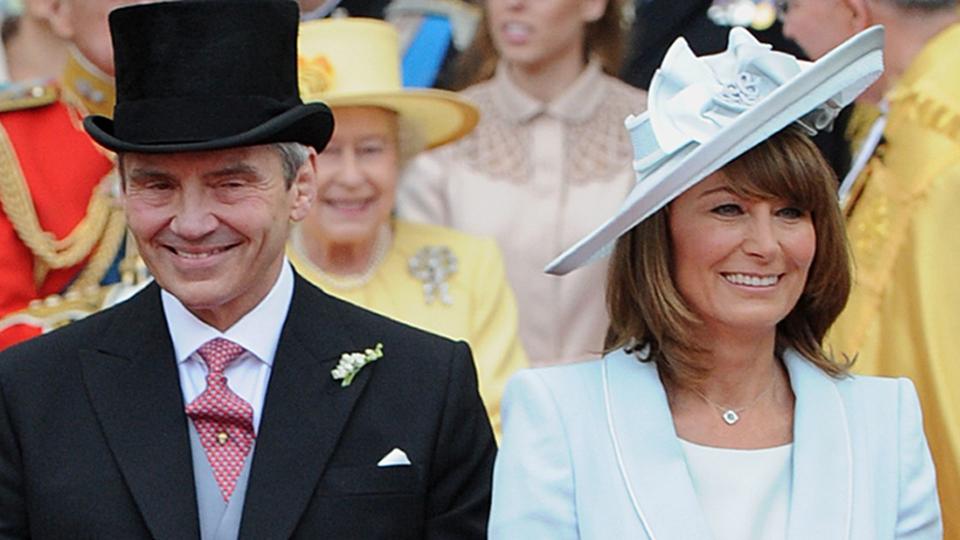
(533, 483)
(919, 509)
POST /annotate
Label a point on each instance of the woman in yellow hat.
(435, 278)
(547, 163)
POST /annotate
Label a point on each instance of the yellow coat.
(903, 317)
(482, 312)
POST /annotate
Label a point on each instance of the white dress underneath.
(744, 494)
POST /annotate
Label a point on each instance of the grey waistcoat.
(218, 520)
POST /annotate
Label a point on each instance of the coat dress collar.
(657, 475)
(577, 103)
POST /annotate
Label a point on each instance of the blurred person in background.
(903, 317)
(352, 246)
(60, 229)
(547, 162)
(32, 53)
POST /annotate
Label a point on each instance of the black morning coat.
(94, 439)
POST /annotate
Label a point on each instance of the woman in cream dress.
(547, 163)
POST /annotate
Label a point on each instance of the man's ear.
(592, 10)
(862, 17)
(304, 187)
(59, 13)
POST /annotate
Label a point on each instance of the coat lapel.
(131, 378)
(304, 413)
(653, 460)
(822, 461)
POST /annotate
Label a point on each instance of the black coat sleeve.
(13, 514)
(458, 504)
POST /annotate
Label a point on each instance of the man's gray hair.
(292, 156)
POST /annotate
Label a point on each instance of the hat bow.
(693, 99)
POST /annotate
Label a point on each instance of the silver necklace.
(731, 415)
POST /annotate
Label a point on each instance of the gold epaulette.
(20, 96)
(55, 311)
(80, 301)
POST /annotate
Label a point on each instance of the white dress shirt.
(258, 332)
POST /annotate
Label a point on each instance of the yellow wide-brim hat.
(355, 62)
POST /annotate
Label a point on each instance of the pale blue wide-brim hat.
(704, 112)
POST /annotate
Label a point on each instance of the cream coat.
(536, 177)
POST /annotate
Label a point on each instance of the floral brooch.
(351, 363)
(433, 266)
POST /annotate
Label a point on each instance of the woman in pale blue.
(715, 413)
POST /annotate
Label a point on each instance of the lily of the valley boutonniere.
(351, 363)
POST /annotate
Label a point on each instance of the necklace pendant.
(730, 417)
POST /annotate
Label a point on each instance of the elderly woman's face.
(357, 175)
(740, 264)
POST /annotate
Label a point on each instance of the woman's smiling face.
(740, 264)
(357, 174)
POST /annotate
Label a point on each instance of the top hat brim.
(310, 124)
(840, 75)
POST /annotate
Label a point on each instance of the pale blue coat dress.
(589, 451)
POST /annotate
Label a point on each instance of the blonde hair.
(647, 308)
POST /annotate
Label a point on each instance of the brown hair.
(642, 297)
(603, 38)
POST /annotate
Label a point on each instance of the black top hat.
(207, 74)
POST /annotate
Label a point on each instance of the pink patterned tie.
(223, 419)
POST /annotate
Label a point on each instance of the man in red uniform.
(60, 230)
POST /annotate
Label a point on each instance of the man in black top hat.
(231, 398)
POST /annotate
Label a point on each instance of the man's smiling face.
(211, 226)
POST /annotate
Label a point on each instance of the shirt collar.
(575, 104)
(258, 331)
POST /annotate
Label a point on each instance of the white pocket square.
(394, 458)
